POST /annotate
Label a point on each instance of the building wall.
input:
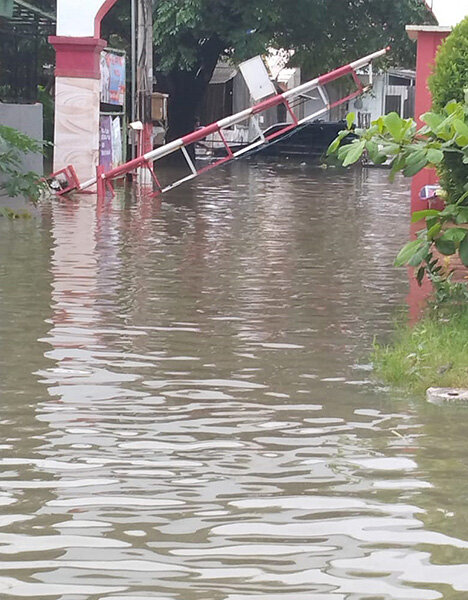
(384, 98)
(28, 119)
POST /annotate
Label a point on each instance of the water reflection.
(193, 415)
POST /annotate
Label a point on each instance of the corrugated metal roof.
(223, 73)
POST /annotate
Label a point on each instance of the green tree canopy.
(190, 36)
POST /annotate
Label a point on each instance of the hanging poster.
(105, 144)
(112, 78)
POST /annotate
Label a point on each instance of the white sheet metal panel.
(257, 78)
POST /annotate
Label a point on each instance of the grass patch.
(9, 213)
(432, 353)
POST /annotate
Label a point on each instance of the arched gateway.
(78, 45)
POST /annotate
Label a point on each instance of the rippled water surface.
(188, 410)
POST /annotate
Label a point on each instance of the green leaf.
(451, 107)
(397, 164)
(462, 216)
(433, 231)
(414, 168)
(446, 247)
(416, 156)
(420, 255)
(390, 148)
(435, 156)
(355, 152)
(333, 147)
(432, 119)
(350, 119)
(394, 124)
(461, 141)
(407, 252)
(343, 152)
(454, 234)
(372, 148)
(460, 127)
(423, 214)
(463, 250)
(420, 275)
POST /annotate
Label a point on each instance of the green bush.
(450, 77)
(15, 182)
(410, 150)
(450, 82)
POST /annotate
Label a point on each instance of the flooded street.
(188, 410)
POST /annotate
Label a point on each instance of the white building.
(392, 90)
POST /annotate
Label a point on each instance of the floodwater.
(187, 406)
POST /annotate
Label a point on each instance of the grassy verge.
(432, 353)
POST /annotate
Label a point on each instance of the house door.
(393, 104)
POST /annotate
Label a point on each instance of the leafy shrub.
(13, 145)
(410, 150)
(450, 82)
(450, 76)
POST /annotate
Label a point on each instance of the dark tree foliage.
(24, 53)
(191, 35)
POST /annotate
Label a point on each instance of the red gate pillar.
(77, 101)
(429, 38)
(78, 47)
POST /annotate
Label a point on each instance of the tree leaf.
(460, 127)
(350, 119)
(432, 119)
(420, 275)
(463, 250)
(446, 247)
(394, 124)
(415, 156)
(420, 255)
(414, 168)
(333, 147)
(433, 231)
(354, 153)
(435, 156)
(462, 216)
(454, 234)
(423, 214)
(408, 250)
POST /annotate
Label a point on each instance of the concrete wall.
(28, 119)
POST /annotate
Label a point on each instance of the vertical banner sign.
(112, 78)
(105, 146)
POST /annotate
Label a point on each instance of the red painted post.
(100, 183)
(428, 39)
